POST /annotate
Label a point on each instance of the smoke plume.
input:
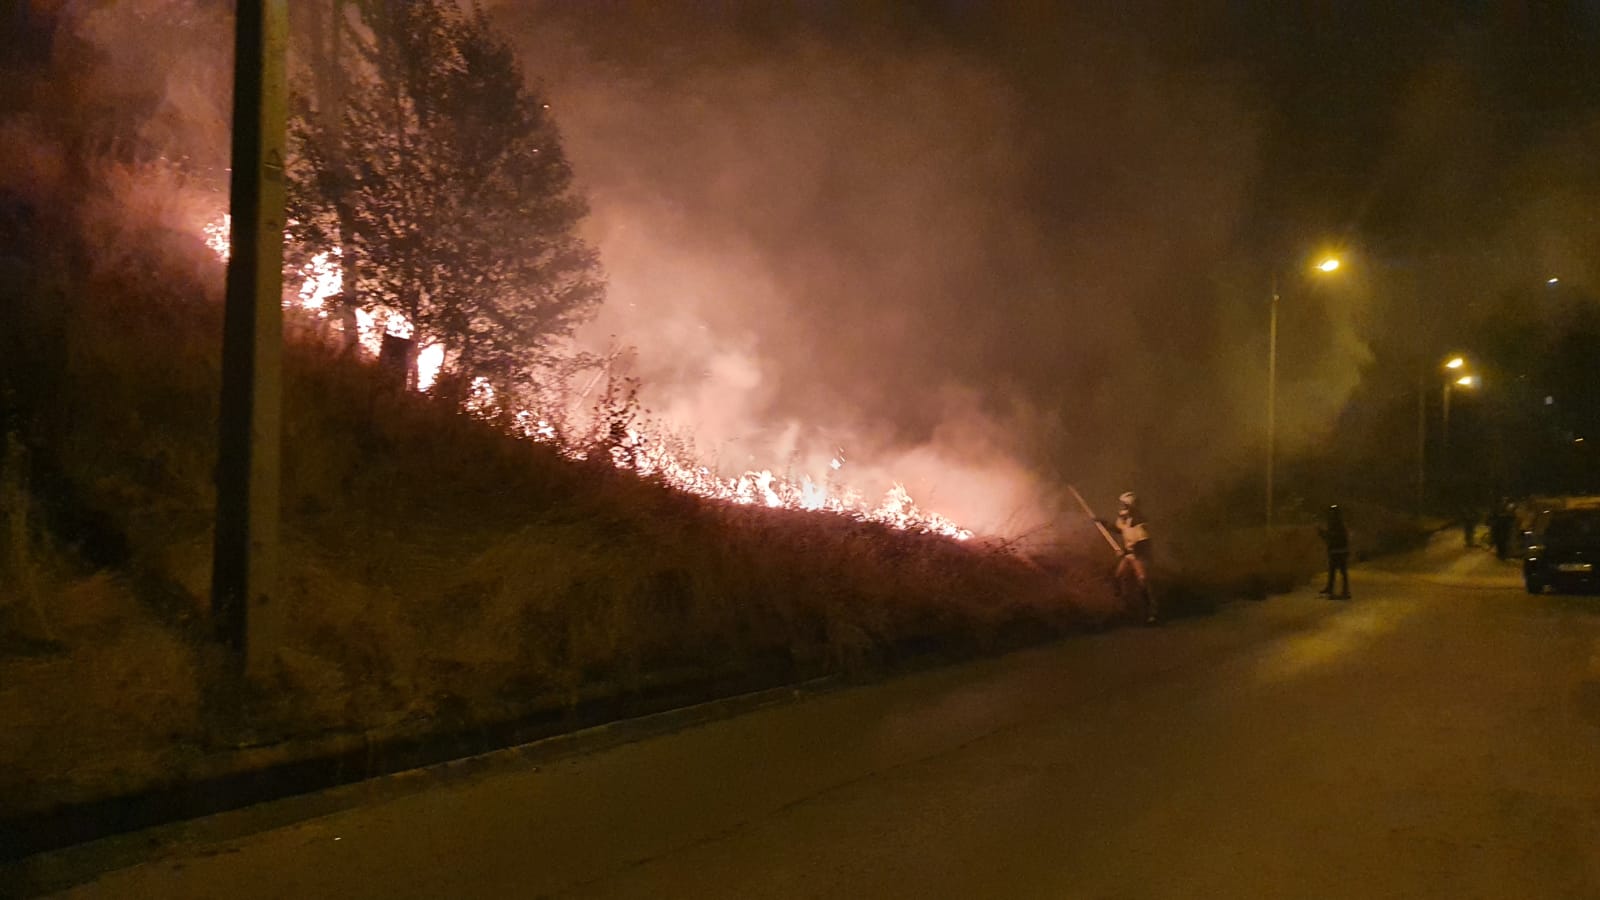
(977, 278)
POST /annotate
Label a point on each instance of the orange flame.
(647, 456)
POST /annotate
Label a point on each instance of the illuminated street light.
(1330, 264)
(1466, 381)
(1552, 281)
(1455, 364)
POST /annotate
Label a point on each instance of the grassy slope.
(437, 572)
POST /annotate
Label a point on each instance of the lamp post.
(1422, 442)
(1328, 265)
(1455, 367)
(1466, 381)
(1272, 393)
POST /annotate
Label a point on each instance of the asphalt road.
(1437, 736)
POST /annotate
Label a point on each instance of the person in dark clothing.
(1501, 521)
(1337, 538)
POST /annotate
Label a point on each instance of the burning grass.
(440, 573)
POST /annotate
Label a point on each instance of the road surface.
(1437, 736)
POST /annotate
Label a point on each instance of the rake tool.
(1099, 526)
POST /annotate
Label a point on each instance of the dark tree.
(443, 181)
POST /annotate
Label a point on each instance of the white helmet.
(1128, 499)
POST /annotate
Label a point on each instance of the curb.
(323, 780)
(360, 758)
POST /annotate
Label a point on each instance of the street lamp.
(1465, 381)
(1455, 366)
(1328, 265)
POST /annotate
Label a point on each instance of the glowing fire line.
(649, 457)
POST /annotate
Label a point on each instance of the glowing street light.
(1456, 366)
(1328, 265)
(1466, 381)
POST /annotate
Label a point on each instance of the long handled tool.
(1100, 526)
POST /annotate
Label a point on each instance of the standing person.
(1337, 538)
(1469, 526)
(1131, 525)
(1500, 522)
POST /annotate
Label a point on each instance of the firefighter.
(1131, 525)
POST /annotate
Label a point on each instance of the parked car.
(1563, 551)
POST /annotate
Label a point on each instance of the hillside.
(440, 573)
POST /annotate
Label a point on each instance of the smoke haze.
(984, 253)
(899, 246)
(115, 115)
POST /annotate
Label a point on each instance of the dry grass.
(1206, 566)
(111, 708)
(438, 573)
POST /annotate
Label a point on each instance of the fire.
(646, 455)
(654, 458)
(217, 235)
(430, 360)
(323, 278)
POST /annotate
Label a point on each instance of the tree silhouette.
(442, 180)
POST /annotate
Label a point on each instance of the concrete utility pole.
(246, 609)
(1422, 442)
